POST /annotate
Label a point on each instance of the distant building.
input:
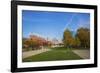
(56, 43)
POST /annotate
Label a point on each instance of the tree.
(25, 43)
(28, 43)
(84, 36)
(77, 42)
(33, 44)
(68, 39)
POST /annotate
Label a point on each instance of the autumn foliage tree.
(30, 43)
(81, 38)
(77, 42)
(84, 36)
(34, 42)
(68, 38)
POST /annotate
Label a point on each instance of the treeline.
(34, 43)
(81, 39)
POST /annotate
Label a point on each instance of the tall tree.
(84, 36)
(68, 39)
(77, 42)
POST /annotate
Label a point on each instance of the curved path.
(85, 54)
(34, 52)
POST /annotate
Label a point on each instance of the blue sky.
(52, 24)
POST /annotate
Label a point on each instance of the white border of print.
(53, 63)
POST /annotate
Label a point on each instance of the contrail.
(70, 21)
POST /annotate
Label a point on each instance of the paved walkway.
(35, 52)
(85, 54)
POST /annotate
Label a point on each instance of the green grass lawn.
(60, 53)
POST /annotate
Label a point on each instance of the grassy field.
(60, 53)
